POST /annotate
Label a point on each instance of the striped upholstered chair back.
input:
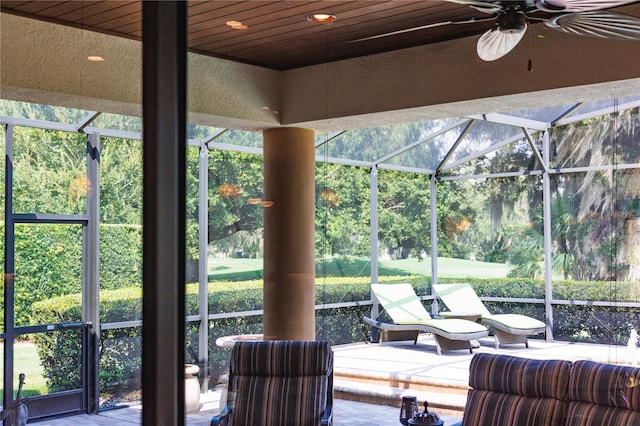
(512, 391)
(603, 395)
(277, 383)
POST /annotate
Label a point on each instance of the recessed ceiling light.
(322, 18)
(95, 58)
(237, 25)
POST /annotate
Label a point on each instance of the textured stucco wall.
(46, 63)
(42, 60)
(448, 79)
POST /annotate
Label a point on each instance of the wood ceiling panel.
(299, 33)
(285, 25)
(303, 42)
(60, 8)
(211, 24)
(26, 7)
(120, 18)
(99, 14)
(279, 35)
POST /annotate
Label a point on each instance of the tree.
(342, 210)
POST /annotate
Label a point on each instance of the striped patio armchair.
(603, 395)
(512, 391)
(279, 382)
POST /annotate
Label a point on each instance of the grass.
(228, 269)
(26, 361)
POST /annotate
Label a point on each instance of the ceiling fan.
(510, 19)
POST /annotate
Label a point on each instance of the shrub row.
(120, 349)
(48, 262)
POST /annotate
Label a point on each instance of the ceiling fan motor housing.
(512, 22)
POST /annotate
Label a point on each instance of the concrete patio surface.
(370, 380)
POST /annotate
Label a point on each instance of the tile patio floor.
(390, 361)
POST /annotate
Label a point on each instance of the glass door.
(50, 280)
(47, 342)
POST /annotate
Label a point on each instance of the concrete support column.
(289, 234)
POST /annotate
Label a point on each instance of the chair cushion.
(276, 383)
(282, 358)
(450, 326)
(605, 384)
(515, 322)
(276, 401)
(520, 376)
(587, 414)
(486, 408)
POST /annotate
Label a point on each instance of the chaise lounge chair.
(507, 328)
(410, 317)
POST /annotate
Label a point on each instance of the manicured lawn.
(26, 361)
(250, 269)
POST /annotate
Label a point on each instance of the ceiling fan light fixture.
(322, 18)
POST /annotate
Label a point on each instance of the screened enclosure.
(538, 209)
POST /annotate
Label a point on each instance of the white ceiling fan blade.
(421, 27)
(598, 24)
(494, 44)
(578, 5)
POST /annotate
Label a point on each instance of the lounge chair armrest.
(327, 416)
(221, 419)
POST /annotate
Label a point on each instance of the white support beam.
(533, 147)
(406, 169)
(343, 161)
(596, 113)
(328, 138)
(214, 135)
(455, 145)
(483, 152)
(91, 265)
(421, 141)
(575, 107)
(492, 175)
(373, 232)
(235, 148)
(510, 120)
(87, 120)
(433, 197)
(203, 276)
(548, 248)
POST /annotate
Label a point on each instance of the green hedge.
(48, 262)
(120, 349)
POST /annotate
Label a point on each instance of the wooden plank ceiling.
(278, 35)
